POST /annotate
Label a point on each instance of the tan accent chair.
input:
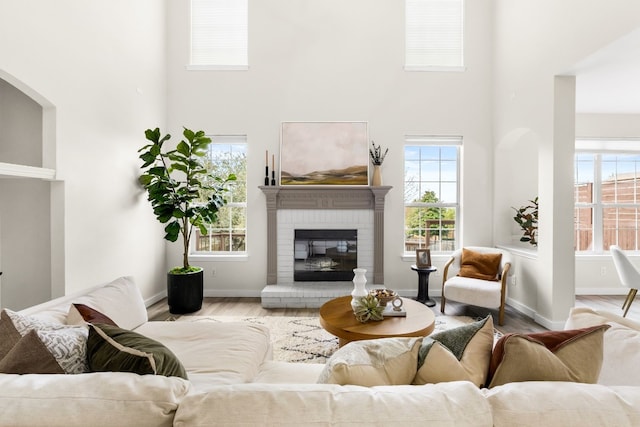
(482, 293)
(629, 275)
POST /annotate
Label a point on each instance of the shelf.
(10, 170)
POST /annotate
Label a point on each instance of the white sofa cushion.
(120, 300)
(563, 404)
(273, 371)
(446, 404)
(621, 345)
(96, 399)
(226, 353)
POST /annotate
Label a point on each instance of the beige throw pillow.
(385, 361)
(573, 355)
(458, 354)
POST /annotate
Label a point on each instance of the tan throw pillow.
(81, 314)
(573, 355)
(385, 361)
(9, 335)
(478, 265)
(458, 354)
(30, 356)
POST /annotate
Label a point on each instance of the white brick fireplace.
(290, 220)
(288, 209)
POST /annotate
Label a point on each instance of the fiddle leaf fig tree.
(183, 194)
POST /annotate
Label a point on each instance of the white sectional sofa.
(233, 381)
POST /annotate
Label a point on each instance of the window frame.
(599, 147)
(416, 36)
(434, 141)
(204, 255)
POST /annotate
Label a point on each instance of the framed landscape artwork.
(324, 153)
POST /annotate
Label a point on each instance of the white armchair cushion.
(478, 292)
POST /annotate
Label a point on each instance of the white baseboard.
(155, 298)
(549, 324)
(533, 315)
(232, 293)
(602, 291)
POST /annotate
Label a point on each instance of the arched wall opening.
(31, 198)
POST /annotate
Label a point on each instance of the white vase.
(359, 286)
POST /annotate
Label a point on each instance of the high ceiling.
(608, 81)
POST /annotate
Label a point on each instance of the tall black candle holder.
(266, 175)
(273, 177)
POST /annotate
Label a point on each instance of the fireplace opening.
(325, 255)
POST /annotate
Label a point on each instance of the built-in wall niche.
(31, 221)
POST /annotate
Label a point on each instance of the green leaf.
(145, 179)
(152, 135)
(183, 148)
(188, 133)
(173, 230)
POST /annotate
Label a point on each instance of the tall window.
(607, 195)
(434, 35)
(219, 34)
(227, 154)
(431, 190)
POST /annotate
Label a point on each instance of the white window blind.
(434, 34)
(219, 37)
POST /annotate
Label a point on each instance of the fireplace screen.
(325, 255)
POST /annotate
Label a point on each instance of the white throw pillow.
(620, 346)
(385, 361)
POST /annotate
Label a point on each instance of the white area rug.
(302, 339)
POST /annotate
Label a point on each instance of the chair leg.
(627, 302)
(501, 315)
(443, 301)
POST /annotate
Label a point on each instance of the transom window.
(219, 35)
(227, 154)
(607, 195)
(431, 193)
(434, 35)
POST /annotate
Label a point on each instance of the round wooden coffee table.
(337, 318)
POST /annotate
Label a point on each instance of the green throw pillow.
(110, 348)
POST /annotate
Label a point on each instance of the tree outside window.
(228, 154)
(431, 194)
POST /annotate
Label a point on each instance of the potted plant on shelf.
(527, 219)
(184, 196)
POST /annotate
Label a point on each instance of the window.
(607, 195)
(431, 189)
(227, 154)
(219, 34)
(434, 35)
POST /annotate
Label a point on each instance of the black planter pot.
(185, 292)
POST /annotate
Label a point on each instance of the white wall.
(102, 67)
(338, 61)
(534, 42)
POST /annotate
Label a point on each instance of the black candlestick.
(266, 177)
(273, 177)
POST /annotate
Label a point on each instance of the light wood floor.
(514, 321)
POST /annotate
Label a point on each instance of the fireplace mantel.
(303, 197)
